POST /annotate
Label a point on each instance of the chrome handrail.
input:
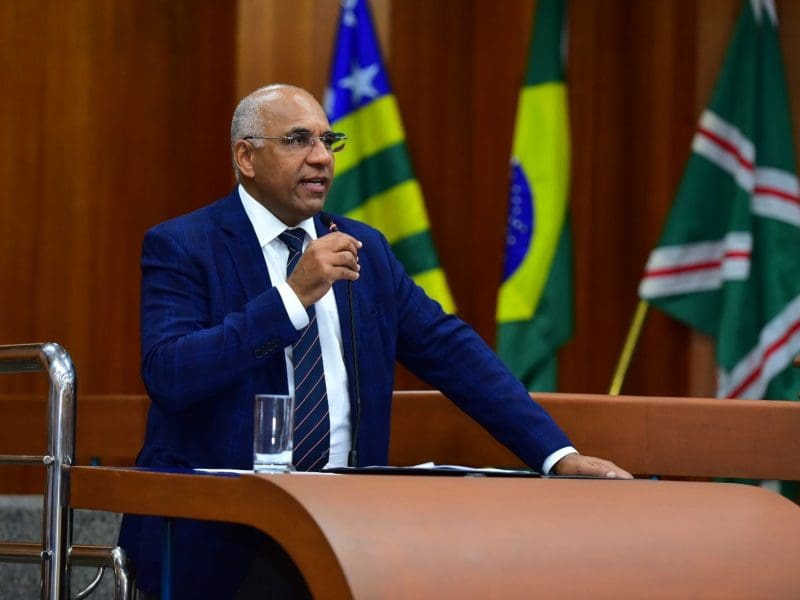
(24, 459)
(80, 555)
(57, 522)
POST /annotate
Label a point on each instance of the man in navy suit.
(220, 317)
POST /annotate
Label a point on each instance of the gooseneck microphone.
(352, 457)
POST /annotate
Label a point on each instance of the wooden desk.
(360, 536)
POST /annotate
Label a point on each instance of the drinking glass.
(272, 438)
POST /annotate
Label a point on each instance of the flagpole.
(634, 332)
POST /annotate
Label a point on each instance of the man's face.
(291, 182)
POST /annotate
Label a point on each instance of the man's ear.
(243, 155)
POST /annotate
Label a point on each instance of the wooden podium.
(417, 536)
(381, 536)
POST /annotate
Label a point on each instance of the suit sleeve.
(447, 353)
(191, 350)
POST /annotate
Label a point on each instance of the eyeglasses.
(303, 141)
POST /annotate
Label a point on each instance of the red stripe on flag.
(767, 191)
(756, 373)
(726, 145)
(714, 264)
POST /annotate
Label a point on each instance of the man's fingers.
(347, 259)
(577, 464)
(345, 273)
(325, 260)
(336, 242)
(607, 469)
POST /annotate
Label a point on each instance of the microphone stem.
(352, 459)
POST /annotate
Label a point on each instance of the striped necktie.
(311, 417)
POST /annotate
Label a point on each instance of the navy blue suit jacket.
(214, 331)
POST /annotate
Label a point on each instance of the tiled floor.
(21, 521)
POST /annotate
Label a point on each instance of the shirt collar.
(267, 226)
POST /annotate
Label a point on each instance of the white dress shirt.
(268, 227)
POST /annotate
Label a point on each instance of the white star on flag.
(768, 6)
(359, 82)
(329, 100)
(349, 15)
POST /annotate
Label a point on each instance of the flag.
(534, 303)
(728, 262)
(375, 181)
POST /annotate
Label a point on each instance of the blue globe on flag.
(521, 220)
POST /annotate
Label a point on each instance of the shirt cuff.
(556, 456)
(294, 308)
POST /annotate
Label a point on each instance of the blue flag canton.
(520, 224)
(358, 75)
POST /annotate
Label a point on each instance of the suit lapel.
(242, 243)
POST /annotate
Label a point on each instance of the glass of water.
(272, 438)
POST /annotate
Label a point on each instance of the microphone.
(352, 457)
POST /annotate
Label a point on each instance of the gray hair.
(248, 118)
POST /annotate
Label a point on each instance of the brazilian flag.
(375, 182)
(534, 304)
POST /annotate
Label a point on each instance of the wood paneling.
(679, 437)
(109, 431)
(631, 83)
(115, 116)
(292, 42)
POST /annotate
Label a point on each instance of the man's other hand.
(589, 466)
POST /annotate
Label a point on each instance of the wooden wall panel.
(114, 118)
(284, 42)
(632, 108)
(431, 69)
(292, 42)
